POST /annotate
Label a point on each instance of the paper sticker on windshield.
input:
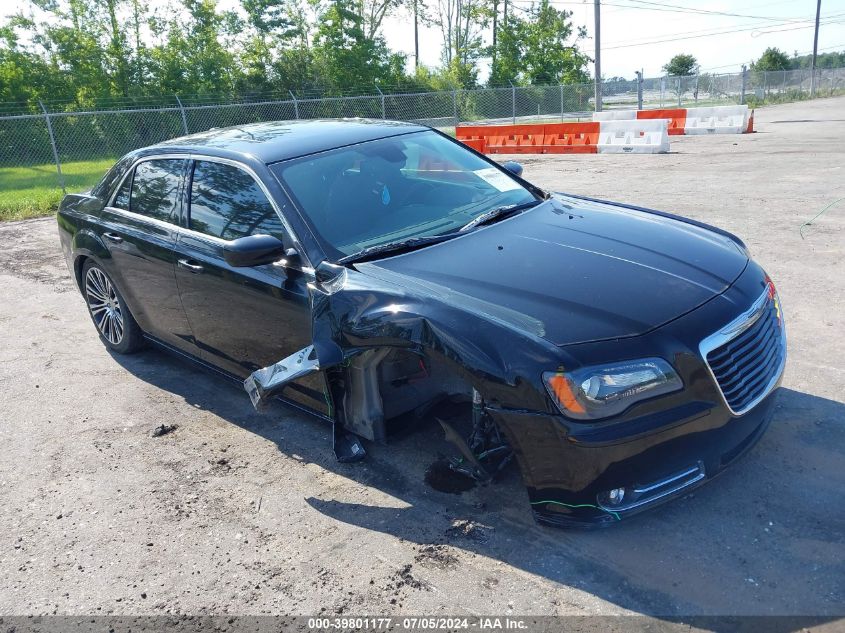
(494, 177)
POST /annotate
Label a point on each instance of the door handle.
(112, 237)
(188, 265)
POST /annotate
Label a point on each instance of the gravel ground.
(238, 513)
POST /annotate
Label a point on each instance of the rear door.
(242, 318)
(139, 228)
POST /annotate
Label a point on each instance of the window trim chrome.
(733, 329)
(178, 228)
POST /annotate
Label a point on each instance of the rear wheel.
(115, 324)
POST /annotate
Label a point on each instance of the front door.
(242, 318)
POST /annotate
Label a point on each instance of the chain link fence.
(59, 142)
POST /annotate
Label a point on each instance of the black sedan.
(379, 274)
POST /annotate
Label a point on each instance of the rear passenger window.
(121, 199)
(226, 202)
(155, 188)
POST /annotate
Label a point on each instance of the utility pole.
(495, 25)
(815, 50)
(417, 37)
(598, 55)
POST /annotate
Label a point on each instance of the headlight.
(591, 393)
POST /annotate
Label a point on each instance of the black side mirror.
(254, 250)
(513, 167)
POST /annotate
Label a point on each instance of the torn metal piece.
(477, 472)
(263, 384)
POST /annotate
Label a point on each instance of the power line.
(672, 8)
(697, 33)
(839, 21)
(833, 19)
(682, 9)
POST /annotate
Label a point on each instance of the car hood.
(577, 270)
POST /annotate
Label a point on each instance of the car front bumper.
(568, 475)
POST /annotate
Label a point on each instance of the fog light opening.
(616, 495)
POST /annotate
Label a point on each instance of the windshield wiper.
(498, 213)
(390, 247)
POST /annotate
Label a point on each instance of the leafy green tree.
(271, 44)
(345, 56)
(824, 60)
(507, 65)
(462, 23)
(681, 65)
(547, 56)
(536, 49)
(26, 77)
(193, 57)
(772, 59)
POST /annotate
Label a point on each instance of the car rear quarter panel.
(77, 218)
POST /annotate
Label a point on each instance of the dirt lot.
(245, 514)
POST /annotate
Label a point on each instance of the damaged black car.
(374, 273)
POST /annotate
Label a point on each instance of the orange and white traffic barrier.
(628, 136)
(704, 120)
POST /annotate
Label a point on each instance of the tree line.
(775, 59)
(86, 52)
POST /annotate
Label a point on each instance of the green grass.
(29, 192)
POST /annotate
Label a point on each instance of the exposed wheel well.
(78, 265)
(386, 383)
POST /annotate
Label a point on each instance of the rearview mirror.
(513, 167)
(253, 250)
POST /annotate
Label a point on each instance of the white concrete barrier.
(638, 136)
(705, 120)
(614, 115)
(717, 120)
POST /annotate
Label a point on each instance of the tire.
(115, 324)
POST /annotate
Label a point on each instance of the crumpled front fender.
(499, 352)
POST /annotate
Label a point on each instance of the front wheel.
(115, 324)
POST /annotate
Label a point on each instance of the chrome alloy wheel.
(104, 305)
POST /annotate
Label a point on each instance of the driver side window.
(227, 203)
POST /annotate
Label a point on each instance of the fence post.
(639, 89)
(513, 102)
(455, 105)
(295, 104)
(744, 79)
(53, 144)
(383, 113)
(697, 78)
(561, 102)
(662, 89)
(182, 110)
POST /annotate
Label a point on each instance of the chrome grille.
(747, 357)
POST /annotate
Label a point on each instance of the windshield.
(394, 189)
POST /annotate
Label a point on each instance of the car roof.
(273, 141)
